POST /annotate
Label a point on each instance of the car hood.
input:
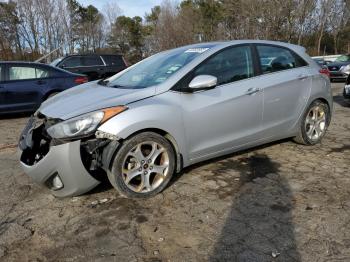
(90, 97)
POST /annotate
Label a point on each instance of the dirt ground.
(279, 202)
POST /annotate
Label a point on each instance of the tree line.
(30, 29)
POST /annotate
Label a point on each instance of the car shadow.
(339, 99)
(14, 115)
(259, 225)
(188, 169)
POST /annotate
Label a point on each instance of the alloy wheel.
(145, 167)
(316, 123)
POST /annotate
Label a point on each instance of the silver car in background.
(172, 110)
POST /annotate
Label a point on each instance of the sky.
(129, 7)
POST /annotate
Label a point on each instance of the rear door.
(23, 87)
(286, 81)
(93, 67)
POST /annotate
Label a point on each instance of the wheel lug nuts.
(145, 172)
(149, 161)
(140, 169)
(142, 161)
(150, 168)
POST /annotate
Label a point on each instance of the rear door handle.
(252, 90)
(302, 76)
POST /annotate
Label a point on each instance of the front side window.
(230, 65)
(273, 59)
(22, 73)
(73, 61)
(91, 61)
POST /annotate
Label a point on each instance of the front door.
(228, 116)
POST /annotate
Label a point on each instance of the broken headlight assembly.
(83, 125)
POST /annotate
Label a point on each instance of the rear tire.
(314, 123)
(143, 166)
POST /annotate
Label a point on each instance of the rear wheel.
(143, 166)
(314, 124)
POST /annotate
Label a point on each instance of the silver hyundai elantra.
(172, 110)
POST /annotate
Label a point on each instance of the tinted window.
(21, 73)
(113, 60)
(273, 59)
(91, 60)
(0, 73)
(73, 61)
(230, 65)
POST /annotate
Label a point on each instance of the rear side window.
(22, 73)
(230, 65)
(113, 60)
(73, 61)
(274, 59)
(91, 61)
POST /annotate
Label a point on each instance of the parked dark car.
(321, 61)
(93, 66)
(24, 85)
(340, 68)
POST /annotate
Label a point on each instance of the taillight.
(81, 80)
(325, 71)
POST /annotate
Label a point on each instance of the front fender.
(159, 112)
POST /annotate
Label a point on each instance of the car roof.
(223, 44)
(23, 62)
(91, 55)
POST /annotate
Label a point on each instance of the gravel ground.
(278, 202)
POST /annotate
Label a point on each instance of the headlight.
(84, 124)
(345, 69)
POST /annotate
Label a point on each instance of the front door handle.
(252, 90)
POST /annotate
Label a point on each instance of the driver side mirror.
(203, 82)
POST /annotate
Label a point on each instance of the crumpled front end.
(60, 166)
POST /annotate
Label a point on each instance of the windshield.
(156, 69)
(343, 58)
(56, 61)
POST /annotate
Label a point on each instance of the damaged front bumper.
(58, 167)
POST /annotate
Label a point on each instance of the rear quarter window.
(275, 58)
(113, 60)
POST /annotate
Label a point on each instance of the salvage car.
(172, 110)
(92, 65)
(25, 85)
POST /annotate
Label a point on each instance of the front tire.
(314, 124)
(143, 166)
